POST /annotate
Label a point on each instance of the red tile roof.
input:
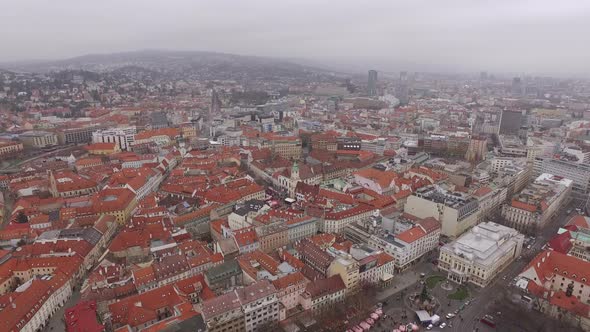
(101, 146)
(548, 264)
(523, 206)
(323, 287)
(580, 221)
(111, 200)
(383, 178)
(289, 280)
(170, 132)
(254, 261)
(561, 242)
(83, 318)
(482, 191)
(245, 238)
(139, 309)
(412, 234)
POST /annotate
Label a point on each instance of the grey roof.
(220, 305)
(89, 234)
(195, 324)
(223, 271)
(256, 291)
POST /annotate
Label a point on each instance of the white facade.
(480, 254)
(336, 222)
(298, 229)
(124, 136)
(456, 212)
(261, 312)
(238, 221)
(55, 301)
(499, 163)
(537, 203)
(578, 173)
(150, 185)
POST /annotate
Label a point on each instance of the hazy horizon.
(518, 36)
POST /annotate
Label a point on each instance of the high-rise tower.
(372, 83)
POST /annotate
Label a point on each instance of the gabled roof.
(323, 287)
(289, 280)
(142, 308)
(255, 261)
(549, 264)
(383, 178)
(411, 235)
(561, 242)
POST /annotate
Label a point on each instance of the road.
(33, 156)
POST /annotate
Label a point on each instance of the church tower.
(295, 172)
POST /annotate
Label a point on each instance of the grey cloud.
(542, 36)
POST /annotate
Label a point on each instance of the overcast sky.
(536, 36)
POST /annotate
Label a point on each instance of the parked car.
(443, 325)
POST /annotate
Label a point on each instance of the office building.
(260, 305)
(518, 88)
(537, 203)
(123, 137)
(579, 173)
(510, 122)
(38, 139)
(348, 269)
(10, 148)
(456, 211)
(372, 83)
(77, 135)
(409, 245)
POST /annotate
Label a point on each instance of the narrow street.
(56, 322)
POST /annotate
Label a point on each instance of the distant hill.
(186, 63)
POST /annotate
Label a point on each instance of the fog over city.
(537, 36)
(286, 166)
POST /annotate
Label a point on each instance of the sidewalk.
(405, 279)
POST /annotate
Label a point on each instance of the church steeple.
(295, 171)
